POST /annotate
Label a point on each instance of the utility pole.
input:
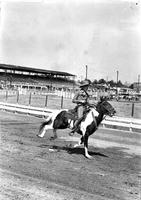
(138, 83)
(117, 76)
(86, 72)
(117, 80)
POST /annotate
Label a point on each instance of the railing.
(60, 99)
(37, 98)
(35, 111)
(129, 124)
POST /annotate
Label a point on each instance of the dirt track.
(30, 170)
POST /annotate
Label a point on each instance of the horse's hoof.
(89, 157)
(76, 145)
(38, 136)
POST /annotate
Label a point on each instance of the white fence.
(129, 124)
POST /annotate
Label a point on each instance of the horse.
(66, 118)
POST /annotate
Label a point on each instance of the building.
(19, 77)
(137, 87)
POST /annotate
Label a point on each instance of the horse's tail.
(48, 122)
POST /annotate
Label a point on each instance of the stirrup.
(71, 133)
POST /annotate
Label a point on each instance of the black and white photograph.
(70, 100)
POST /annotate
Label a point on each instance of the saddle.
(73, 114)
(74, 111)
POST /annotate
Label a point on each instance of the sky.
(67, 35)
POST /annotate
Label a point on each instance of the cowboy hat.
(86, 82)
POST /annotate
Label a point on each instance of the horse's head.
(104, 107)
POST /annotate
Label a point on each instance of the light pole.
(117, 76)
(86, 72)
(117, 80)
(138, 83)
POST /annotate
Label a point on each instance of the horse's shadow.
(72, 150)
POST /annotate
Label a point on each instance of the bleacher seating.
(13, 79)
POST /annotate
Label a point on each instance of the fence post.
(30, 99)
(46, 100)
(62, 102)
(6, 95)
(132, 114)
(17, 96)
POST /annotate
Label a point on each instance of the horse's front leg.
(87, 155)
(54, 135)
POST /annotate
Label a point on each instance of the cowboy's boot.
(71, 133)
(76, 126)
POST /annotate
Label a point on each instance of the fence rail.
(129, 124)
(63, 99)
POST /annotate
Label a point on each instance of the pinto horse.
(66, 119)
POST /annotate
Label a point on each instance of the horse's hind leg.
(54, 135)
(42, 132)
(80, 142)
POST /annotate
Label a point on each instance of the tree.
(131, 86)
(95, 82)
(101, 81)
(119, 84)
(112, 83)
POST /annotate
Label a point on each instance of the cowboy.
(81, 99)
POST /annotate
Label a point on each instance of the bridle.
(108, 110)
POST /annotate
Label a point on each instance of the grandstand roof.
(36, 70)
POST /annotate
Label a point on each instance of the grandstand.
(19, 77)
